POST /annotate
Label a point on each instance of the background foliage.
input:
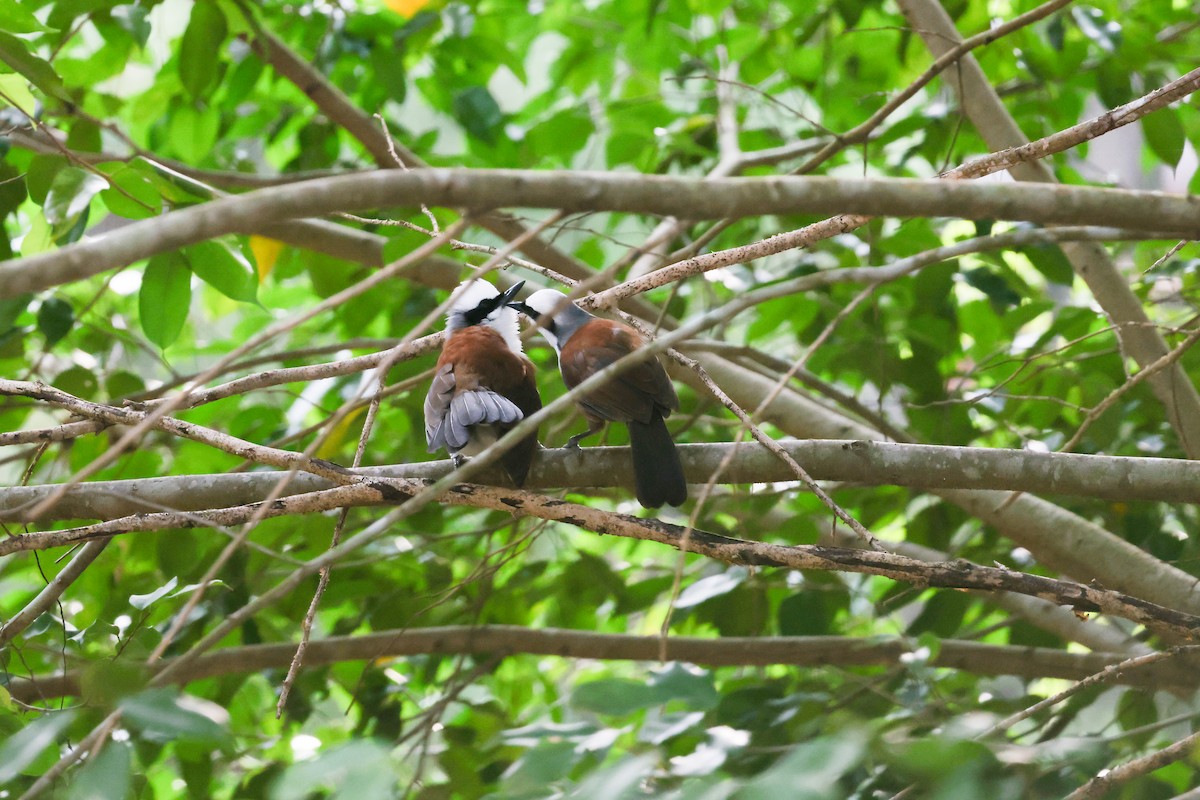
(998, 350)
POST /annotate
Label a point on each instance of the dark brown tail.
(657, 472)
(518, 458)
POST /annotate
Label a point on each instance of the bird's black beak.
(524, 309)
(508, 294)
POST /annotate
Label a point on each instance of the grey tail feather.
(657, 471)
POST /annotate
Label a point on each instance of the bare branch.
(53, 591)
(657, 194)
(1100, 785)
(983, 106)
(860, 462)
(511, 640)
(947, 59)
(954, 574)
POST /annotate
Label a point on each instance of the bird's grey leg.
(594, 426)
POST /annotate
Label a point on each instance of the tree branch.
(1092, 263)
(860, 462)
(511, 640)
(1059, 539)
(954, 574)
(53, 591)
(694, 198)
(1100, 785)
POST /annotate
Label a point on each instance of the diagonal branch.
(1015, 156)
(987, 113)
(52, 592)
(947, 574)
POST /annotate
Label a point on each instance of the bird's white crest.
(476, 291)
(544, 301)
(502, 320)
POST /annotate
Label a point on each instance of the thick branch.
(1059, 539)
(859, 462)
(694, 198)
(948, 574)
(796, 651)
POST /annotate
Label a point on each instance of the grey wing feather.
(499, 409)
(437, 405)
(491, 409)
(480, 407)
(459, 428)
(449, 416)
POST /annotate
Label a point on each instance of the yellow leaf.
(333, 442)
(406, 8)
(266, 252)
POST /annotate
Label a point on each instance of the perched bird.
(640, 397)
(484, 385)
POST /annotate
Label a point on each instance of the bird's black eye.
(528, 311)
(479, 313)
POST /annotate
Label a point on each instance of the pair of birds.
(484, 385)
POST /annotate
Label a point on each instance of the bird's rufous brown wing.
(635, 393)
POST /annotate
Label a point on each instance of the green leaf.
(11, 308)
(12, 189)
(200, 46)
(357, 770)
(40, 176)
(1165, 135)
(223, 268)
(1050, 261)
(561, 136)
(541, 766)
(104, 777)
(934, 757)
(619, 781)
(810, 771)
(166, 715)
(193, 132)
(70, 194)
(19, 751)
(811, 613)
(16, 93)
(131, 193)
(77, 380)
(37, 71)
(615, 696)
(39, 238)
(164, 298)
(994, 286)
(132, 18)
(85, 136)
(712, 586)
(55, 318)
(143, 601)
(478, 112)
(1104, 32)
(103, 683)
(691, 685)
(16, 18)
